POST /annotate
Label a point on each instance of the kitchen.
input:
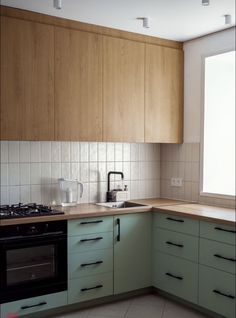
(83, 96)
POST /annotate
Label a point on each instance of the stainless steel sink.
(120, 205)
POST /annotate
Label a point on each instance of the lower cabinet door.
(176, 276)
(217, 291)
(33, 305)
(91, 287)
(132, 252)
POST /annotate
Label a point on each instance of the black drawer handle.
(92, 239)
(118, 234)
(174, 276)
(174, 244)
(95, 287)
(227, 258)
(175, 220)
(222, 294)
(94, 263)
(91, 222)
(39, 304)
(220, 229)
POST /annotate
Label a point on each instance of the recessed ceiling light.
(205, 2)
(57, 4)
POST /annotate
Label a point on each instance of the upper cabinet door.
(123, 90)
(27, 80)
(163, 95)
(78, 85)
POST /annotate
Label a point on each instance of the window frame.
(202, 112)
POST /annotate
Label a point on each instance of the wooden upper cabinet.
(163, 95)
(78, 85)
(123, 90)
(27, 80)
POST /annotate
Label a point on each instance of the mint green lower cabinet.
(90, 287)
(24, 306)
(90, 242)
(176, 223)
(218, 255)
(217, 291)
(176, 244)
(90, 263)
(132, 253)
(218, 232)
(176, 276)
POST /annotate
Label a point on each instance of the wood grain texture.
(163, 95)
(123, 90)
(43, 18)
(78, 85)
(195, 211)
(27, 80)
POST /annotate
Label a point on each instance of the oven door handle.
(35, 241)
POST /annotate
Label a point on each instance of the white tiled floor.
(149, 306)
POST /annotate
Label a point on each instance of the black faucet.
(110, 196)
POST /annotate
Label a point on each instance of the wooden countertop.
(201, 212)
(195, 211)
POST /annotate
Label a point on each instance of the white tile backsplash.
(30, 170)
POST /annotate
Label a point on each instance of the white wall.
(194, 51)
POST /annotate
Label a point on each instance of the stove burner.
(26, 210)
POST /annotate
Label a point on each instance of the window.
(218, 173)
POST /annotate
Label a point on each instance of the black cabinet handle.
(174, 276)
(118, 235)
(92, 239)
(94, 263)
(227, 258)
(222, 294)
(175, 220)
(91, 222)
(39, 304)
(221, 229)
(174, 244)
(90, 288)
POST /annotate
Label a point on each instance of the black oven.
(33, 260)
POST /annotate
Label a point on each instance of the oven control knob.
(33, 230)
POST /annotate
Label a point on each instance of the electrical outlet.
(176, 182)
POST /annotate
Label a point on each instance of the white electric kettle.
(69, 190)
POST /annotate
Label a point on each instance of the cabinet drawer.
(90, 225)
(219, 255)
(84, 243)
(176, 276)
(218, 232)
(176, 244)
(217, 291)
(91, 287)
(90, 263)
(176, 223)
(34, 305)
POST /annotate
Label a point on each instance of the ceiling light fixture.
(146, 23)
(227, 18)
(205, 2)
(57, 4)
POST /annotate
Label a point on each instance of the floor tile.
(144, 311)
(173, 310)
(116, 310)
(151, 300)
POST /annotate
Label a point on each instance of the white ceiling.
(171, 19)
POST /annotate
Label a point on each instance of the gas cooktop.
(26, 210)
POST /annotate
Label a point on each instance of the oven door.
(32, 266)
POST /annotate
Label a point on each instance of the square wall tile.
(93, 172)
(110, 151)
(4, 197)
(56, 151)
(93, 151)
(118, 151)
(4, 174)
(75, 152)
(134, 153)
(65, 152)
(24, 173)
(25, 194)
(126, 152)
(35, 173)
(84, 152)
(45, 173)
(35, 194)
(14, 194)
(102, 151)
